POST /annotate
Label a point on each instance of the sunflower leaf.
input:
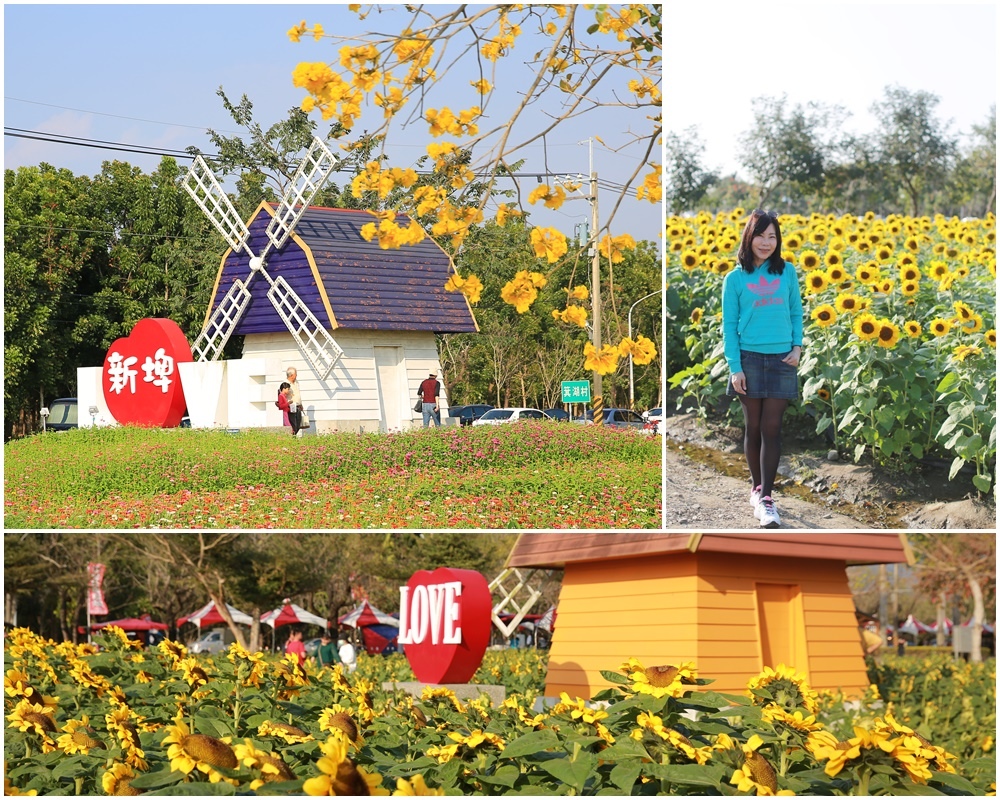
(531, 743)
(154, 780)
(613, 677)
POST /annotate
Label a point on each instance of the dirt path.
(699, 497)
(707, 486)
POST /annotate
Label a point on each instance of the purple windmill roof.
(346, 281)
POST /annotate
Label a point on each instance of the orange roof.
(559, 549)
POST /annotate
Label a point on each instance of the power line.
(102, 144)
(115, 116)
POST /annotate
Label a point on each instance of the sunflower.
(823, 394)
(888, 333)
(909, 273)
(939, 327)
(912, 328)
(836, 274)
(909, 288)
(938, 269)
(824, 315)
(337, 718)
(270, 766)
(990, 337)
(868, 273)
(787, 687)
(696, 315)
(77, 737)
(826, 747)
(973, 325)
(797, 720)
(18, 684)
(654, 724)
(883, 253)
(939, 248)
(117, 781)
(341, 776)
(809, 260)
(756, 773)
(848, 303)
(194, 751)
(289, 733)
(963, 311)
(793, 241)
(689, 260)
(833, 259)
(36, 718)
(722, 266)
(963, 351)
(660, 681)
(816, 281)
(863, 246)
(818, 235)
(866, 327)
(415, 787)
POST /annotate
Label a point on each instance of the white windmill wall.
(390, 363)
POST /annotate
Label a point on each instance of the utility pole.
(595, 283)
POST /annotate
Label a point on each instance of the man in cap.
(430, 391)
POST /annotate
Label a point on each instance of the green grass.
(534, 475)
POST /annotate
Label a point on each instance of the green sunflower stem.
(863, 776)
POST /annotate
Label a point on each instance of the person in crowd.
(762, 340)
(295, 645)
(347, 655)
(294, 401)
(285, 404)
(326, 654)
(430, 392)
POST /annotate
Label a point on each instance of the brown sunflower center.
(661, 676)
(209, 750)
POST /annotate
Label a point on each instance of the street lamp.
(631, 378)
(45, 415)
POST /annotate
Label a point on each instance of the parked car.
(470, 413)
(558, 414)
(62, 414)
(498, 416)
(215, 641)
(616, 418)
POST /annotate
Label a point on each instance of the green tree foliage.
(522, 359)
(87, 258)
(51, 236)
(687, 180)
(788, 151)
(913, 145)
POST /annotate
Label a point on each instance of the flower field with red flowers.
(532, 475)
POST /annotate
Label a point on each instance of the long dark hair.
(756, 225)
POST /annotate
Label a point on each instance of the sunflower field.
(125, 721)
(899, 357)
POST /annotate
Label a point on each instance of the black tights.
(762, 441)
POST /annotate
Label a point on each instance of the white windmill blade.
(201, 184)
(220, 326)
(315, 341)
(309, 178)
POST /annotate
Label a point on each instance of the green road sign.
(576, 391)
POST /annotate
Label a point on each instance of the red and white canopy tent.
(378, 630)
(291, 614)
(366, 614)
(145, 623)
(209, 615)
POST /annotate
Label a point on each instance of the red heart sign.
(444, 623)
(141, 381)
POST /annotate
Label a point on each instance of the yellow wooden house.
(732, 603)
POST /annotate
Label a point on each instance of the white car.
(654, 420)
(498, 416)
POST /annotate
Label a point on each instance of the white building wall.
(349, 398)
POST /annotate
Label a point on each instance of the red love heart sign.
(141, 381)
(444, 623)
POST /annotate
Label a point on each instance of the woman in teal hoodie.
(762, 335)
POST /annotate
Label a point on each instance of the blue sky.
(835, 53)
(148, 74)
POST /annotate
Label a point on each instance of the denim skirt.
(767, 376)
